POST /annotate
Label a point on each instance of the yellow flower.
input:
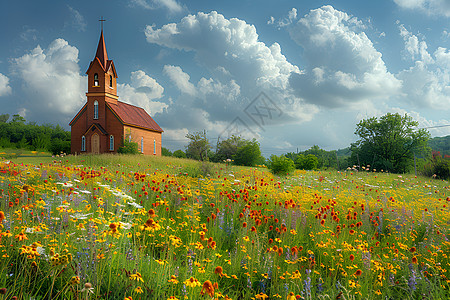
(138, 290)
(192, 282)
(137, 277)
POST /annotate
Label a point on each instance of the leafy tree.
(165, 152)
(248, 155)
(4, 118)
(306, 162)
(198, 146)
(389, 142)
(281, 164)
(226, 149)
(179, 154)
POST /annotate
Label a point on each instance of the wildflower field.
(121, 227)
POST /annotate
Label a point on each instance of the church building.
(104, 122)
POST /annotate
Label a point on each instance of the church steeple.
(101, 54)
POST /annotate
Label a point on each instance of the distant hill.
(441, 144)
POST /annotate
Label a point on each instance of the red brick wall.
(149, 137)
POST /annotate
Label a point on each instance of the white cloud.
(77, 20)
(271, 21)
(172, 5)
(5, 89)
(414, 49)
(51, 81)
(431, 7)
(427, 82)
(291, 17)
(180, 79)
(236, 60)
(142, 92)
(344, 66)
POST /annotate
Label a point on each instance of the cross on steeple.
(102, 20)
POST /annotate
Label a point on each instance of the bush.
(165, 152)
(438, 167)
(179, 154)
(59, 146)
(281, 164)
(128, 147)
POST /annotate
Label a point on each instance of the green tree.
(165, 152)
(198, 146)
(389, 142)
(179, 154)
(306, 162)
(226, 149)
(248, 155)
(4, 118)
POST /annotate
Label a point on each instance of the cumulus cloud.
(180, 79)
(239, 65)
(427, 82)
(51, 81)
(172, 5)
(343, 65)
(291, 17)
(431, 7)
(5, 89)
(142, 92)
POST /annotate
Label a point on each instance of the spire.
(101, 51)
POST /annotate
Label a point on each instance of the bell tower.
(102, 85)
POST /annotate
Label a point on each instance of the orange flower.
(358, 272)
(21, 236)
(151, 212)
(412, 249)
(352, 257)
(219, 271)
(2, 216)
(352, 232)
(414, 260)
(280, 251)
(207, 288)
(244, 224)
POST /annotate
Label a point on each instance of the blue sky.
(291, 74)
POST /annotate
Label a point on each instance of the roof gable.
(78, 115)
(134, 116)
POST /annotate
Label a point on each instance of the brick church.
(104, 122)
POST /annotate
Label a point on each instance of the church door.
(95, 142)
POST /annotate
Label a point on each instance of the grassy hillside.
(441, 144)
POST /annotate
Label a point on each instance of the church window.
(154, 147)
(96, 79)
(83, 143)
(110, 81)
(111, 143)
(95, 109)
(142, 145)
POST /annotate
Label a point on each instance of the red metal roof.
(135, 116)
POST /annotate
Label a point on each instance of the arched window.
(95, 109)
(110, 81)
(142, 145)
(83, 143)
(154, 147)
(96, 79)
(111, 143)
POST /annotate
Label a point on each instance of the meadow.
(133, 227)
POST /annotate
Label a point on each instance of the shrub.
(281, 164)
(179, 154)
(128, 147)
(438, 167)
(165, 152)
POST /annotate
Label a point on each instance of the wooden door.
(95, 142)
